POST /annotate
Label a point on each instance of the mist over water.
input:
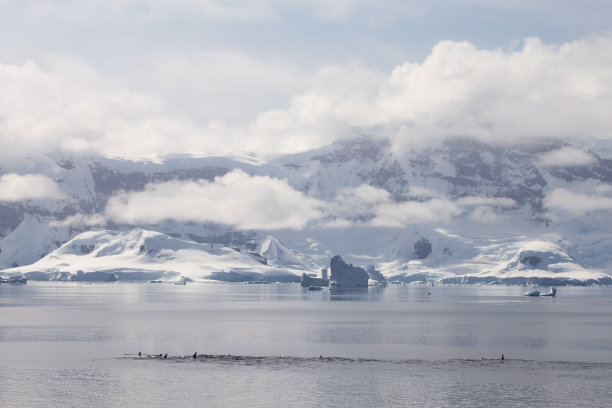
(73, 344)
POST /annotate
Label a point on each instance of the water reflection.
(403, 344)
(353, 294)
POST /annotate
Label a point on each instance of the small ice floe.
(553, 293)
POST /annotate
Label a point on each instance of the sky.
(144, 78)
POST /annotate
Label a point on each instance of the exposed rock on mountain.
(422, 248)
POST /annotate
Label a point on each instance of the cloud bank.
(578, 203)
(371, 206)
(498, 96)
(265, 203)
(247, 202)
(539, 90)
(16, 187)
(567, 157)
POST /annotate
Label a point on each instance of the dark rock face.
(422, 248)
(531, 260)
(344, 274)
(66, 164)
(477, 167)
(108, 181)
(85, 249)
(10, 218)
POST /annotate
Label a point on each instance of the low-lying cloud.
(19, 187)
(367, 205)
(567, 157)
(266, 203)
(578, 203)
(247, 202)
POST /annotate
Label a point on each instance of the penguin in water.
(195, 355)
(140, 354)
(166, 355)
(502, 357)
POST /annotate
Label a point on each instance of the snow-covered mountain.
(453, 210)
(147, 255)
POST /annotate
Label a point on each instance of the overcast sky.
(150, 77)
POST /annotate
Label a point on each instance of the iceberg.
(343, 274)
(310, 281)
(552, 293)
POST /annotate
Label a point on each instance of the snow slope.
(278, 255)
(145, 255)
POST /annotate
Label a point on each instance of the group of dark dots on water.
(161, 355)
(195, 355)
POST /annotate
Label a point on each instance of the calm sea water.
(279, 345)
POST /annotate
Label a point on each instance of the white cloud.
(225, 85)
(355, 200)
(603, 189)
(262, 202)
(80, 220)
(16, 187)
(484, 214)
(339, 100)
(247, 202)
(368, 205)
(576, 203)
(495, 95)
(567, 157)
(498, 96)
(73, 109)
(437, 210)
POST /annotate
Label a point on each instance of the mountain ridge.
(372, 202)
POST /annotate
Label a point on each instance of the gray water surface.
(76, 344)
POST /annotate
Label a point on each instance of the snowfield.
(145, 255)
